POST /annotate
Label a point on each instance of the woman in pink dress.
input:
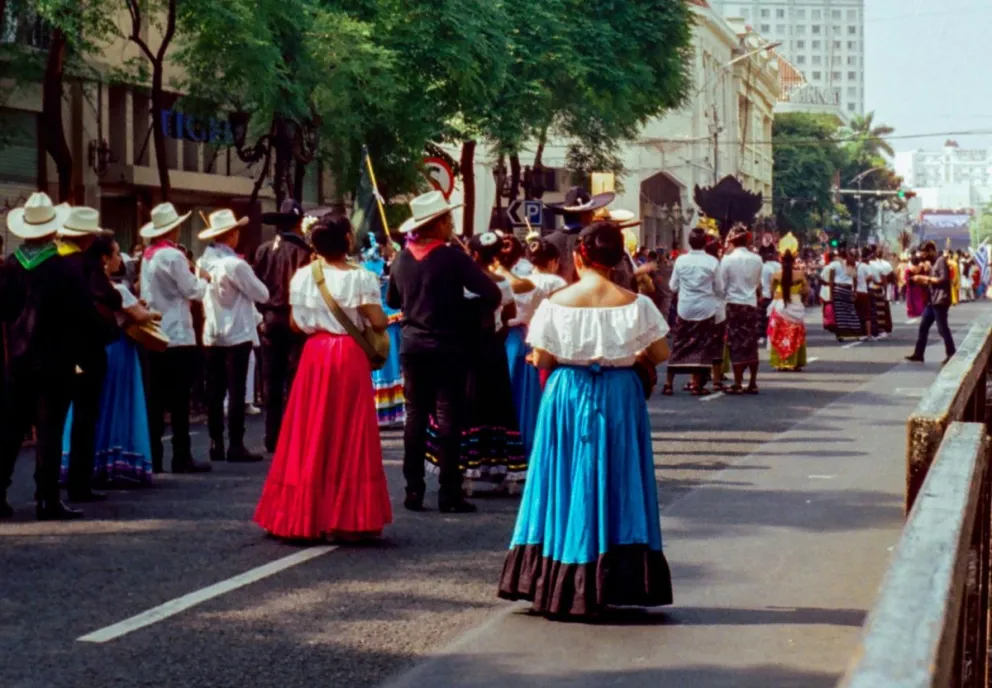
(916, 295)
(327, 478)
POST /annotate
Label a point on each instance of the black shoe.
(414, 501)
(270, 447)
(946, 361)
(85, 496)
(242, 455)
(191, 466)
(914, 359)
(460, 506)
(6, 510)
(217, 452)
(55, 510)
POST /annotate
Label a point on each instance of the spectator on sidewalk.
(939, 282)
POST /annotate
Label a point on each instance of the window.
(835, 14)
(745, 13)
(817, 45)
(852, 92)
(852, 45)
(801, 60)
(837, 45)
(780, 14)
(817, 29)
(19, 162)
(837, 59)
(852, 15)
(817, 14)
(852, 61)
(852, 30)
(838, 30)
(837, 76)
(817, 76)
(817, 60)
(800, 14)
(801, 30)
(852, 76)
(766, 29)
(850, 107)
(780, 29)
(765, 14)
(800, 45)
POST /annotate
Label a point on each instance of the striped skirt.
(847, 322)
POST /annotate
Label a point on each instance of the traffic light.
(834, 243)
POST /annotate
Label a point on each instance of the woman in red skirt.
(327, 478)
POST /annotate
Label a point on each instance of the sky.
(928, 70)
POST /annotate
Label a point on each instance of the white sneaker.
(252, 410)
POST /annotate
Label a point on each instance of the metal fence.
(931, 622)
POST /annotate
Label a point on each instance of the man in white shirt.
(168, 285)
(862, 298)
(740, 272)
(769, 267)
(880, 292)
(230, 332)
(697, 282)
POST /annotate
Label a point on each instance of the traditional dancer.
(123, 443)
(588, 534)
(698, 285)
(388, 380)
(169, 286)
(327, 478)
(275, 264)
(865, 278)
(579, 210)
(230, 332)
(770, 266)
(428, 281)
(740, 271)
(787, 313)
(842, 272)
(76, 241)
(881, 311)
(546, 259)
(50, 316)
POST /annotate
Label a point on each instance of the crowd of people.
(514, 367)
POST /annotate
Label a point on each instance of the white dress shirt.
(839, 271)
(740, 271)
(768, 271)
(229, 304)
(696, 279)
(168, 286)
(350, 288)
(866, 274)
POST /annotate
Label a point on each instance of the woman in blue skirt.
(588, 534)
(388, 380)
(123, 444)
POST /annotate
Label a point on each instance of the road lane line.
(852, 344)
(181, 604)
(812, 360)
(912, 321)
(715, 395)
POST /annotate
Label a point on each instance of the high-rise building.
(822, 38)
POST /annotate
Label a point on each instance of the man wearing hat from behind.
(579, 210)
(169, 285)
(229, 331)
(276, 262)
(75, 243)
(48, 312)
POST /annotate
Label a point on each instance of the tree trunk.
(284, 158)
(539, 155)
(263, 173)
(52, 129)
(514, 177)
(468, 188)
(158, 132)
(301, 171)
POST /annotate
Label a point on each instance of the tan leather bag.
(374, 344)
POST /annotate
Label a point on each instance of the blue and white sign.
(523, 212)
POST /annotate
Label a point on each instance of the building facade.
(823, 38)
(952, 177)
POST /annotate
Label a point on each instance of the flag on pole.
(981, 255)
(368, 214)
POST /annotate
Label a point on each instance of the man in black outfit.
(579, 209)
(49, 316)
(939, 282)
(275, 264)
(428, 280)
(76, 239)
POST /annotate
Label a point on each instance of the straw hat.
(578, 200)
(38, 218)
(221, 222)
(83, 221)
(165, 218)
(425, 208)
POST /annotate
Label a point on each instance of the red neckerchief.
(421, 250)
(157, 246)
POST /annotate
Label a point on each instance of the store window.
(18, 146)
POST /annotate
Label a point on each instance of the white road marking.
(181, 604)
(812, 360)
(917, 392)
(852, 344)
(822, 477)
(912, 321)
(711, 397)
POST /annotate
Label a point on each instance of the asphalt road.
(354, 616)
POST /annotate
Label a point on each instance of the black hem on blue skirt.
(627, 575)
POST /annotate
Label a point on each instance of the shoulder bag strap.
(317, 268)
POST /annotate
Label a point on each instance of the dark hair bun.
(329, 236)
(542, 253)
(511, 251)
(602, 243)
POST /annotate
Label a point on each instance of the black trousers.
(281, 350)
(227, 374)
(170, 377)
(433, 384)
(42, 401)
(935, 314)
(85, 415)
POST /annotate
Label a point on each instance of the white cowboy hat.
(221, 222)
(38, 218)
(164, 220)
(83, 221)
(425, 208)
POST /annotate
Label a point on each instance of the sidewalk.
(776, 563)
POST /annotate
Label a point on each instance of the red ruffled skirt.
(327, 476)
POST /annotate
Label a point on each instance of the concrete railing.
(930, 624)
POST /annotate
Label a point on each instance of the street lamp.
(859, 179)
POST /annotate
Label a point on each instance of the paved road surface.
(368, 615)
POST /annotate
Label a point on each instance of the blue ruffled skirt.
(526, 382)
(123, 443)
(588, 532)
(388, 383)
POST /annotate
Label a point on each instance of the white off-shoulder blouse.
(350, 288)
(611, 337)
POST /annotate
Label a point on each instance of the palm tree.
(866, 140)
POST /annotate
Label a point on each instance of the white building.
(951, 178)
(822, 38)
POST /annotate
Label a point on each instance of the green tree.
(866, 140)
(981, 226)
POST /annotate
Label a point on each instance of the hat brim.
(596, 202)
(150, 231)
(415, 223)
(211, 233)
(25, 230)
(76, 233)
